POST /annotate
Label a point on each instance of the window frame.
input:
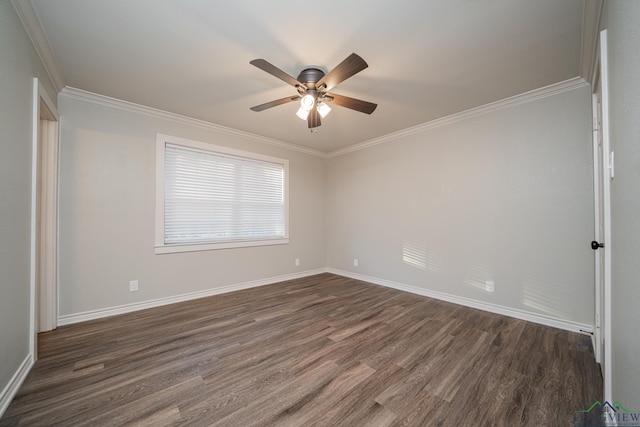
(163, 248)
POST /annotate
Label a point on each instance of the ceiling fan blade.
(275, 71)
(351, 65)
(352, 103)
(313, 120)
(275, 103)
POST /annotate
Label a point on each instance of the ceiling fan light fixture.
(323, 109)
(312, 85)
(302, 113)
(307, 102)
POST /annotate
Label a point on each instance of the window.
(211, 197)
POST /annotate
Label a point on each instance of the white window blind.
(212, 197)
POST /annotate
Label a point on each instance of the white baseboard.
(10, 390)
(468, 302)
(128, 308)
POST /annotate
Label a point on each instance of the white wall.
(505, 196)
(107, 193)
(621, 19)
(19, 63)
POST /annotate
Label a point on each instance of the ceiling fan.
(313, 88)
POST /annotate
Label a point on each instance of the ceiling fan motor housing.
(310, 76)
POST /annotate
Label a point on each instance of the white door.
(599, 224)
(603, 174)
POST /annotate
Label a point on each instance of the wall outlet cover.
(489, 286)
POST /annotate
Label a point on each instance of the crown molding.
(590, 29)
(32, 25)
(543, 92)
(536, 94)
(119, 104)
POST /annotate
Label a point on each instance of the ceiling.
(427, 58)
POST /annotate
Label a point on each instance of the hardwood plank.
(286, 399)
(322, 350)
(360, 403)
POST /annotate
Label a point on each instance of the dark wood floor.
(323, 350)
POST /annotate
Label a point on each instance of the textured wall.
(107, 213)
(19, 64)
(505, 196)
(621, 21)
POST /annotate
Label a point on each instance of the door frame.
(44, 215)
(602, 195)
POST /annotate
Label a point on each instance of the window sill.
(168, 249)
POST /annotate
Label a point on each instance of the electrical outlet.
(355, 262)
(489, 286)
(133, 286)
(297, 262)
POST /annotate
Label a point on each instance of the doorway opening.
(44, 215)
